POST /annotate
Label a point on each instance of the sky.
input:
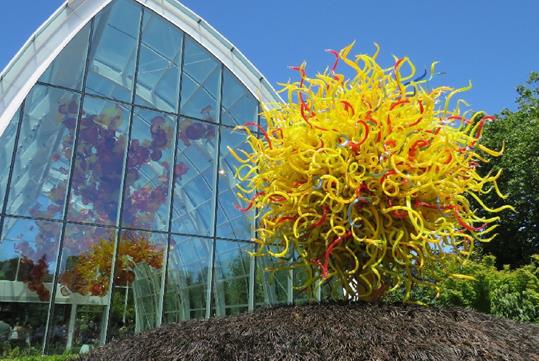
(493, 43)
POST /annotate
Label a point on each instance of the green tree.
(519, 231)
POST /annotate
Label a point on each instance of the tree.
(518, 232)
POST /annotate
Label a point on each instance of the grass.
(40, 358)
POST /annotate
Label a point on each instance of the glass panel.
(137, 283)
(149, 165)
(84, 282)
(239, 106)
(195, 178)
(76, 327)
(95, 188)
(271, 285)
(22, 327)
(303, 293)
(231, 222)
(200, 83)
(28, 255)
(262, 122)
(231, 277)
(7, 142)
(86, 260)
(68, 67)
(158, 79)
(43, 159)
(113, 50)
(27, 262)
(187, 278)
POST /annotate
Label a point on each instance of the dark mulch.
(357, 331)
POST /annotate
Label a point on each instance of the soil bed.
(356, 331)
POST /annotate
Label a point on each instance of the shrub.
(506, 293)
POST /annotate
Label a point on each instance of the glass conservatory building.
(117, 190)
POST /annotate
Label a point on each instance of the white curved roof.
(23, 71)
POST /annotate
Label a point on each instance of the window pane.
(158, 79)
(95, 188)
(137, 283)
(84, 281)
(27, 262)
(231, 277)
(68, 67)
(7, 142)
(271, 285)
(86, 260)
(195, 178)
(200, 83)
(303, 293)
(239, 106)
(149, 165)
(43, 159)
(262, 122)
(113, 50)
(231, 222)
(28, 248)
(76, 326)
(187, 278)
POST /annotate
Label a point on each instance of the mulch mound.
(351, 331)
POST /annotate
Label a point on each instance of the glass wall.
(118, 207)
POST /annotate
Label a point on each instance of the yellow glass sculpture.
(367, 179)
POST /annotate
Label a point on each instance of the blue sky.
(494, 43)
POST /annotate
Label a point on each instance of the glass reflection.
(187, 278)
(76, 327)
(195, 178)
(231, 277)
(84, 282)
(149, 165)
(271, 284)
(43, 157)
(67, 68)
(239, 106)
(113, 50)
(95, 186)
(137, 283)
(303, 292)
(232, 222)
(7, 142)
(201, 83)
(158, 79)
(22, 328)
(28, 251)
(28, 248)
(28, 254)
(86, 260)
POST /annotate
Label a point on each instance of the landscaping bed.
(335, 331)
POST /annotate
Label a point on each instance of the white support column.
(318, 291)
(290, 287)
(71, 326)
(252, 276)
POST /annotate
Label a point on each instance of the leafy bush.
(506, 293)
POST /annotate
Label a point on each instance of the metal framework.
(23, 74)
(23, 71)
